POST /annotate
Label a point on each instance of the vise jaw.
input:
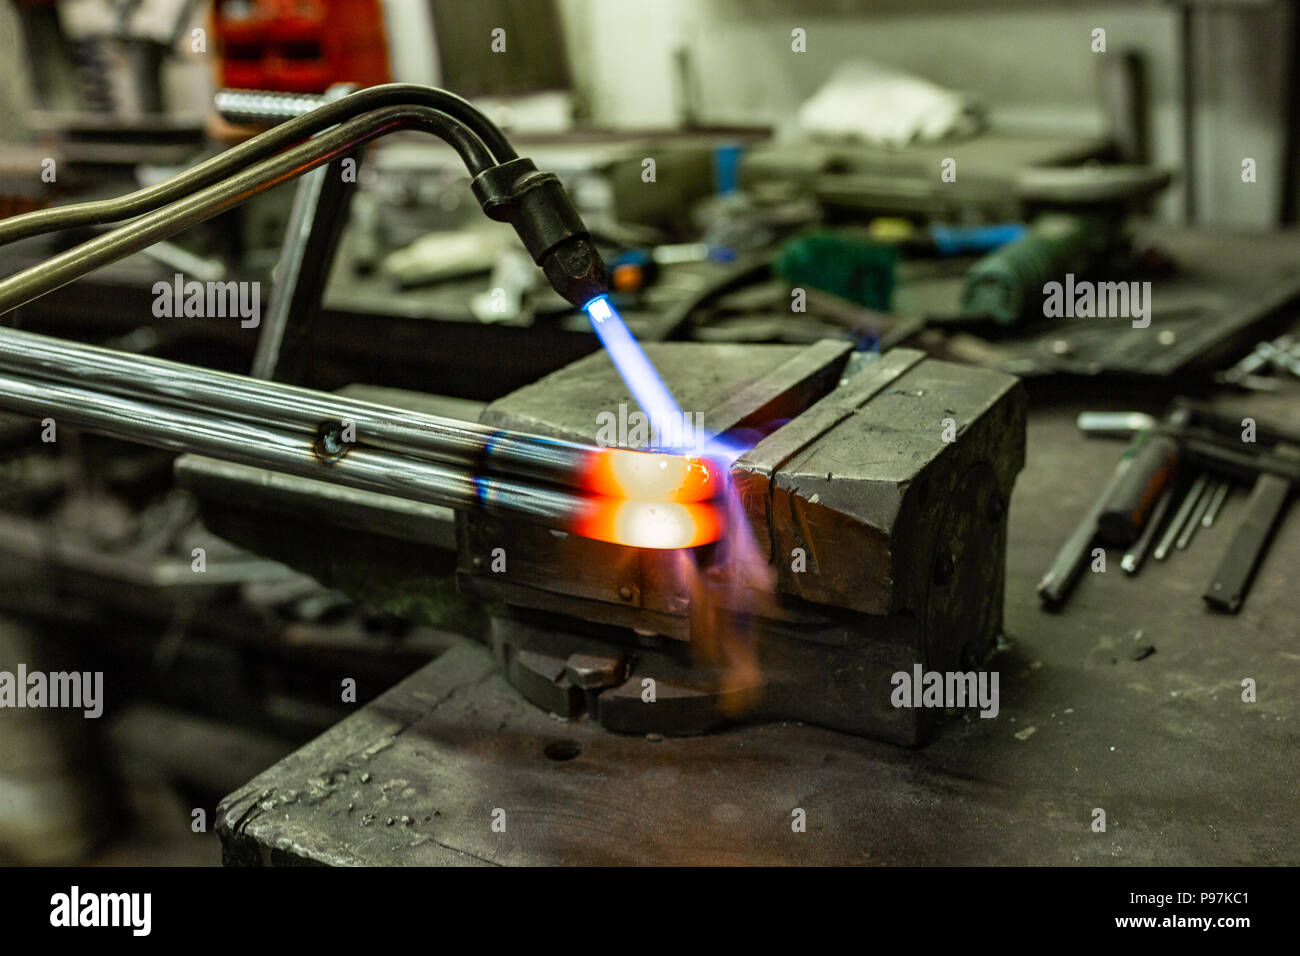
(874, 492)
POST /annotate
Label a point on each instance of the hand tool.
(1184, 512)
(173, 406)
(1194, 519)
(1252, 362)
(1006, 284)
(1132, 560)
(1227, 587)
(1127, 506)
(1211, 439)
(1066, 567)
(1212, 512)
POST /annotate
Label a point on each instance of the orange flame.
(724, 601)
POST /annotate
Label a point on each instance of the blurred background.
(912, 164)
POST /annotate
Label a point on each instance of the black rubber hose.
(478, 140)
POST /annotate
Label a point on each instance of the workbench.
(1128, 700)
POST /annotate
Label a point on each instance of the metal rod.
(1212, 512)
(163, 223)
(306, 411)
(1226, 589)
(1194, 520)
(433, 483)
(1180, 517)
(263, 106)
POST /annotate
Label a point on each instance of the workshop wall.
(15, 92)
(631, 72)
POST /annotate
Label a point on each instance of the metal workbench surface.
(1186, 772)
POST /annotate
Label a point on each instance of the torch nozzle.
(549, 226)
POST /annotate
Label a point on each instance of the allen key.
(1212, 512)
(1180, 518)
(1194, 520)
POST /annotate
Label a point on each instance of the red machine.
(300, 46)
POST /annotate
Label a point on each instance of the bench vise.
(874, 490)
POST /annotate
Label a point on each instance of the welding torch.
(624, 496)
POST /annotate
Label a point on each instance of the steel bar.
(642, 524)
(1216, 503)
(1227, 587)
(1180, 516)
(197, 207)
(306, 411)
(266, 144)
(1194, 519)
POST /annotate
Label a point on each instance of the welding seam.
(474, 123)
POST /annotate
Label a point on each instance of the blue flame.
(638, 373)
(647, 388)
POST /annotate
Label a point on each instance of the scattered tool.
(1281, 353)
(1127, 508)
(1140, 493)
(1194, 520)
(1056, 584)
(1231, 579)
(1133, 558)
(1180, 519)
(1003, 284)
(1220, 493)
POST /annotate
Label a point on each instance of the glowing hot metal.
(649, 476)
(654, 524)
